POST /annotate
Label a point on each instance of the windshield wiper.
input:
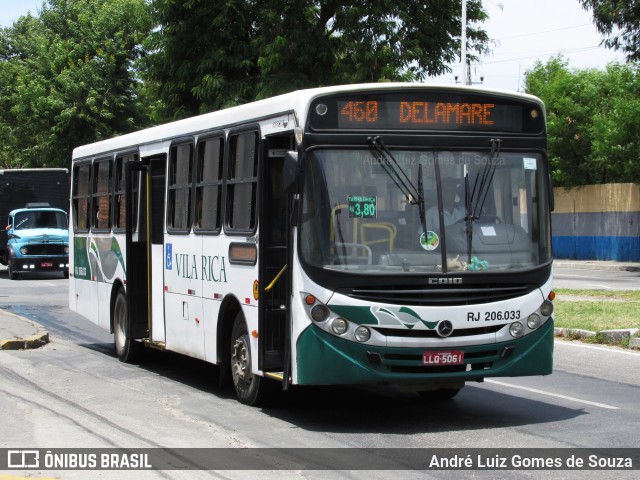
(474, 200)
(414, 195)
(485, 178)
(21, 223)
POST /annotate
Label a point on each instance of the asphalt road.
(74, 393)
(594, 279)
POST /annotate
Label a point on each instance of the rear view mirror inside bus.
(290, 172)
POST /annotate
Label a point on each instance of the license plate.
(449, 357)
(46, 264)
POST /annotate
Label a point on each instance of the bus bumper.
(324, 359)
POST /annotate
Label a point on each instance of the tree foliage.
(619, 20)
(67, 78)
(208, 55)
(593, 121)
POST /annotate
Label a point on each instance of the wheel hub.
(240, 360)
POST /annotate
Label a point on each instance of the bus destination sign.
(427, 111)
(428, 115)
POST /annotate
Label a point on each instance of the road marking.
(593, 347)
(557, 395)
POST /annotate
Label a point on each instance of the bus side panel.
(82, 266)
(183, 295)
(211, 315)
(104, 307)
(95, 264)
(216, 275)
(157, 297)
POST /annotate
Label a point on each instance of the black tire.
(440, 395)
(127, 350)
(13, 275)
(250, 389)
(65, 273)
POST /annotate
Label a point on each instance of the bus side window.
(209, 184)
(81, 196)
(242, 182)
(102, 195)
(180, 178)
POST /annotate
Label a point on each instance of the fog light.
(362, 334)
(546, 308)
(516, 329)
(533, 321)
(319, 313)
(339, 326)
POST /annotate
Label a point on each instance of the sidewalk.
(18, 332)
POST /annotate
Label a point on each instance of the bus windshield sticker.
(362, 206)
(488, 231)
(429, 241)
(530, 164)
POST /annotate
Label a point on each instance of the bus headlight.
(23, 250)
(319, 313)
(516, 329)
(546, 308)
(66, 249)
(533, 321)
(339, 326)
(362, 334)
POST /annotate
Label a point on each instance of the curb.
(610, 336)
(40, 338)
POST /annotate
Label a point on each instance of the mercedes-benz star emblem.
(444, 328)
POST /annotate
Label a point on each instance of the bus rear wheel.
(250, 389)
(127, 350)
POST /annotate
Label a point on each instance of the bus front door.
(144, 257)
(275, 254)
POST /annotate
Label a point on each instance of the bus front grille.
(419, 333)
(460, 295)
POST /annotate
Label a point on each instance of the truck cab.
(37, 241)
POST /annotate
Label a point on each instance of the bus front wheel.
(251, 389)
(127, 350)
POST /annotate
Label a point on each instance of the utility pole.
(463, 44)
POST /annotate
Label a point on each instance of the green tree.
(69, 77)
(593, 121)
(208, 55)
(619, 20)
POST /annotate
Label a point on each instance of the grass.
(597, 310)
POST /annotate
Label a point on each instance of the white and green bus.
(382, 234)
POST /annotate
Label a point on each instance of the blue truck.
(34, 231)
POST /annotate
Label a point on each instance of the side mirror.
(290, 172)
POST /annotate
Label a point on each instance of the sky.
(525, 31)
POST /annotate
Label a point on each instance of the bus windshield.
(483, 211)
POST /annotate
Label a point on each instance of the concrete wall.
(597, 222)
